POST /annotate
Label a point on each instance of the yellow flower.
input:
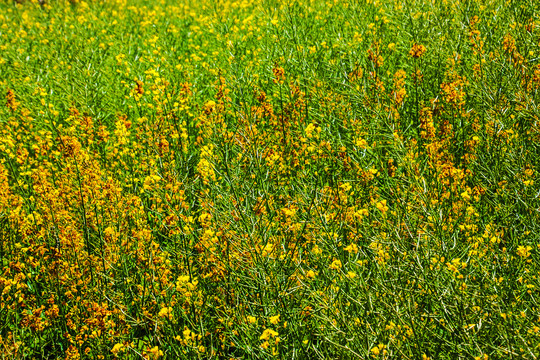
(316, 250)
(380, 349)
(311, 274)
(165, 312)
(361, 143)
(150, 181)
(312, 130)
(345, 187)
(352, 248)
(251, 319)
(183, 279)
(336, 265)
(524, 251)
(274, 319)
(382, 206)
(417, 51)
(155, 352)
(267, 333)
(117, 348)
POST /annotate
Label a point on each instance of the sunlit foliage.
(255, 180)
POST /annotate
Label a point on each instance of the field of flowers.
(269, 179)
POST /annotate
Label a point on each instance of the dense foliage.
(265, 179)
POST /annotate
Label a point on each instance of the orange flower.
(417, 51)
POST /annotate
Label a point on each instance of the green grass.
(255, 180)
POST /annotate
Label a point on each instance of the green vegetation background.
(255, 180)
